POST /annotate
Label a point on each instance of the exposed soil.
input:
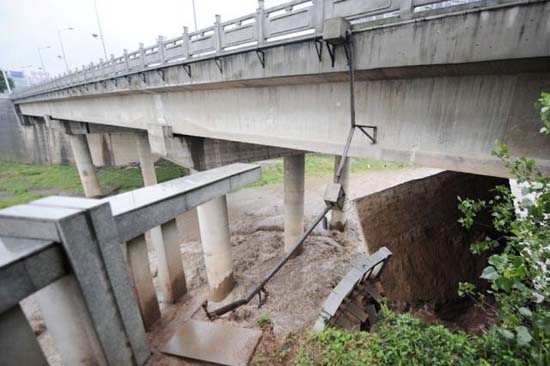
(296, 293)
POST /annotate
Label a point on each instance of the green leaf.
(490, 274)
(525, 312)
(523, 337)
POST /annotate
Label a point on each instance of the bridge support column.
(17, 341)
(170, 267)
(338, 217)
(294, 167)
(68, 321)
(216, 245)
(85, 165)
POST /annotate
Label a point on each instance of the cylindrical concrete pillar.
(216, 246)
(69, 323)
(17, 341)
(170, 268)
(294, 173)
(338, 217)
(85, 165)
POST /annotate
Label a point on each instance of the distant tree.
(3, 86)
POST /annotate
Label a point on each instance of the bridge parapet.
(86, 262)
(295, 21)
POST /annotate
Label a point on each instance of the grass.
(320, 165)
(21, 183)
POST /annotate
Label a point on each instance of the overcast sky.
(26, 25)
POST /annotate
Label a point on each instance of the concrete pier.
(85, 165)
(216, 244)
(68, 322)
(170, 267)
(17, 341)
(338, 217)
(294, 174)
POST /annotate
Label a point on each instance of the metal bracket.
(162, 75)
(95, 86)
(128, 78)
(332, 52)
(319, 49)
(374, 130)
(261, 57)
(143, 77)
(115, 81)
(187, 68)
(219, 63)
(104, 84)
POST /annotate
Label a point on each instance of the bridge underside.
(449, 122)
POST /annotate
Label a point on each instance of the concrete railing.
(85, 261)
(291, 22)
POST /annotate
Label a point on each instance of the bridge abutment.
(294, 174)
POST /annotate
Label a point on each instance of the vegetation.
(518, 273)
(403, 340)
(320, 165)
(21, 183)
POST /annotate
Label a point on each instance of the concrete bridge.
(441, 81)
(438, 82)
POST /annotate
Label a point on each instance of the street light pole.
(100, 30)
(62, 47)
(194, 15)
(40, 55)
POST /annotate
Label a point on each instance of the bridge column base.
(85, 165)
(294, 175)
(216, 245)
(164, 240)
(338, 217)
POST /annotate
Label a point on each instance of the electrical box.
(335, 30)
(335, 195)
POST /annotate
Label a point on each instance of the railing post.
(260, 19)
(113, 64)
(126, 61)
(142, 56)
(92, 70)
(186, 43)
(406, 9)
(102, 67)
(160, 49)
(218, 33)
(319, 17)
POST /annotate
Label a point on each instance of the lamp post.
(61, 44)
(40, 55)
(100, 30)
(194, 15)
